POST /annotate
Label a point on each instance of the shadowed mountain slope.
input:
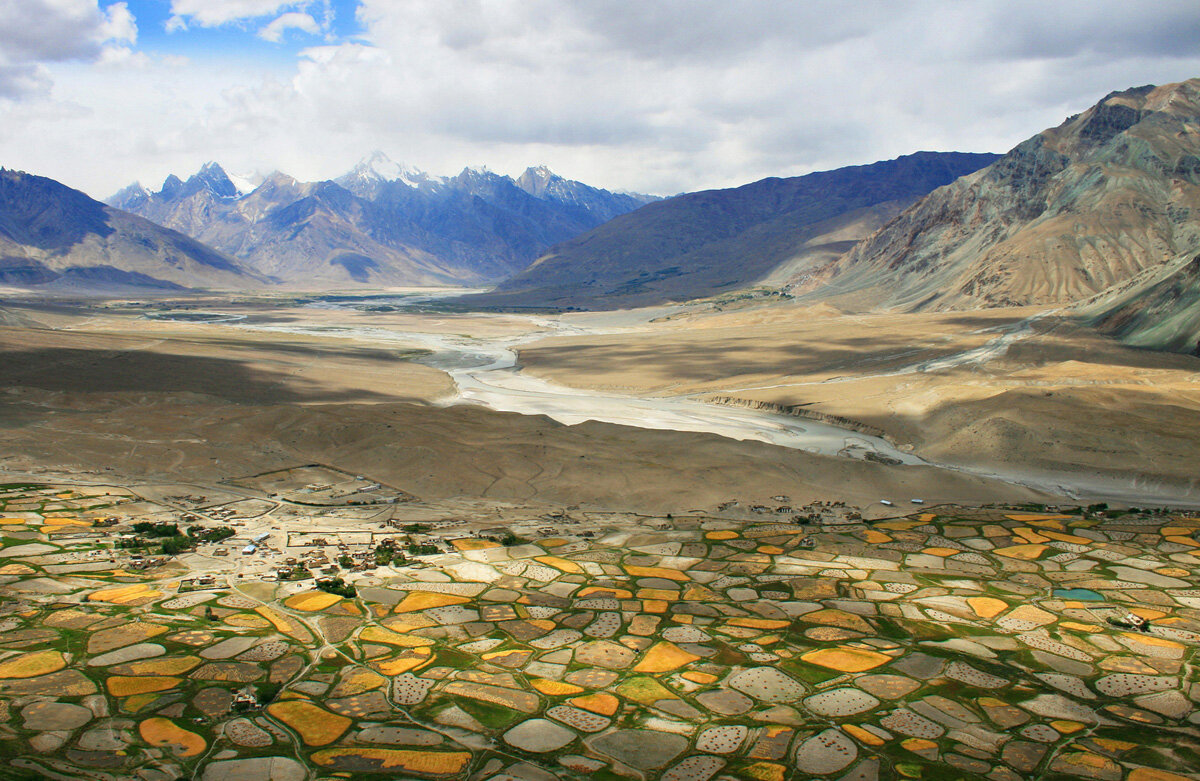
(54, 237)
(709, 242)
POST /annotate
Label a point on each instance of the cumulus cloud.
(34, 32)
(665, 96)
(216, 13)
(290, 21)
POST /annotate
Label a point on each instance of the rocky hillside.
(1107, 195)
(1159, 308)
(710, 242)
(55, 238)
(381, 223)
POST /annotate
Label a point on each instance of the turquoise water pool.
(1082, 594)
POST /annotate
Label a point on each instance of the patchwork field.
(997, 642)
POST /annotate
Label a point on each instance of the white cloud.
(663, 96)
(290, 21)
(35, 32)
(119, 25)
(214, 13)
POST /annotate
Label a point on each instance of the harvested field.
(316, 726)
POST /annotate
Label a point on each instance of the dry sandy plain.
(104, 389)
(1021, 392)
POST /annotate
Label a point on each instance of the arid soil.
(205, 401)
(986, 389)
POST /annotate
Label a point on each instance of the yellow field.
(987, 607)
(1062, 537)
(560, 564)
(285, 624)
(310, 601)
(129, 685)
(656, 572)
(65, 521)
(1021, 552)
(424, 600)
(409, 660)
(664, 656)
(358, 681)
(605, 591)
(1150, 774)
(247, 620)
(33, 664)
(176, 665)
(765, 771)
(469, 544)
(846, 660)
(376, 634)
(158, 731)
(1029, 535)
(124, 594)
(862, 735)
(759, 623)
(838, 618)
(317, 726)
(429, 763)
(601, 702)
(554, 688)
(703, 679)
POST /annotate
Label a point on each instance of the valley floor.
(527, 599)
(1031, 396)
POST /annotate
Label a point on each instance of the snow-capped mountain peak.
(377, 168)
(247, 183)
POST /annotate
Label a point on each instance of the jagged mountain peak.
(129, 196)
(536, 180)
(170, 186)
(377, 169)
(211, 177)
(380, 167)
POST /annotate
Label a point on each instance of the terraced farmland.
(934, 646)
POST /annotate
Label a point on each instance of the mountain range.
(55, 238)
(715, 241)
(1099, 216)
(381, 223)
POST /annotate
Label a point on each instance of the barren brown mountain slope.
(53, 237)
(1068, 213)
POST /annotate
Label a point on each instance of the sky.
(657, 96)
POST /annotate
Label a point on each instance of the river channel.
(486, 372)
